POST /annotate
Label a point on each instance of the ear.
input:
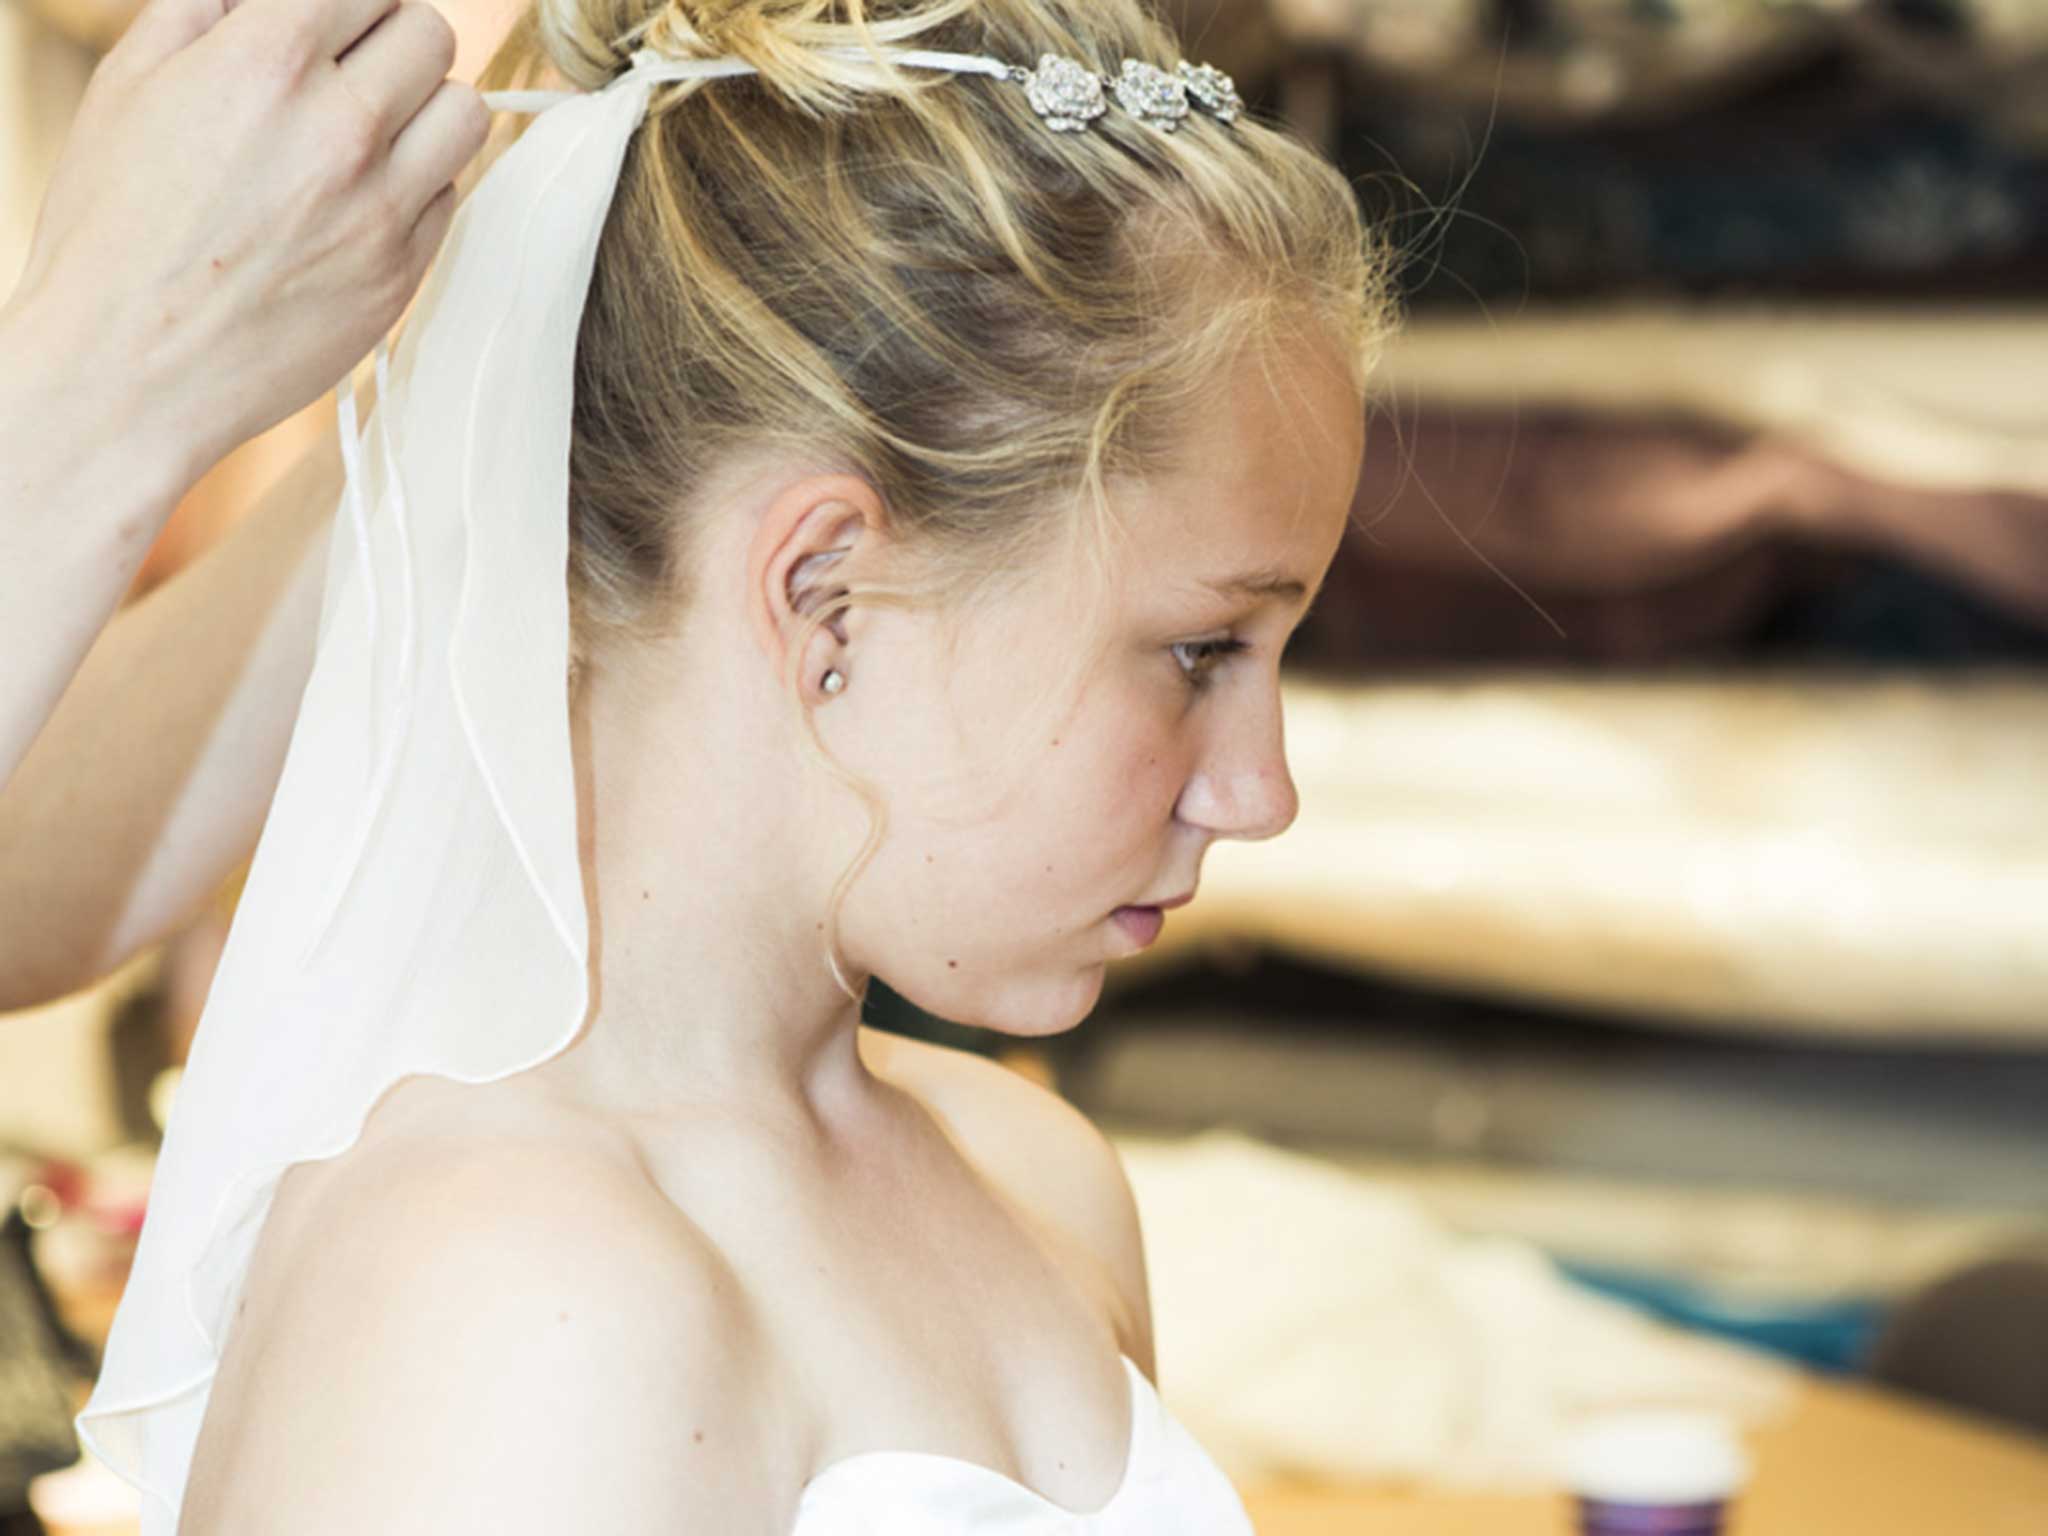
(815, 531)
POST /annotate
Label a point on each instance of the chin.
(1029, 1008)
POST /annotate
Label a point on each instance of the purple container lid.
(1655, 1456)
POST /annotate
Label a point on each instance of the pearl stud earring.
(834, 681)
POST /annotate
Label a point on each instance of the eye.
(1198, 658)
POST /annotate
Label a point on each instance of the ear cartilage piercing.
(834, 681)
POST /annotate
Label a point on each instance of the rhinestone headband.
(1069, 95)
(1065, 93)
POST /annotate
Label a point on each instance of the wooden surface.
(1847, 1459)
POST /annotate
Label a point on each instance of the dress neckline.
(1140, 1388)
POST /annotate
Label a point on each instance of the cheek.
(1153, 782)
(1089, 821)
(1118, 799)
(1021, 852)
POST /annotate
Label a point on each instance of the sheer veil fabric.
(416, 901)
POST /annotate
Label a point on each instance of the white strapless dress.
(1170, 1487)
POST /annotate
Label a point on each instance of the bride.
(951, 455)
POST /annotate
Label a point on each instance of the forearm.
(87, 478)
(153, 776)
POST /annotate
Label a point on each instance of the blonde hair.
(907, 274)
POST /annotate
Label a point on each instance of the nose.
(1241, 788)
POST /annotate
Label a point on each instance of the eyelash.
(1205, 655)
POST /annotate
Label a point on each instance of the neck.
(709, 979)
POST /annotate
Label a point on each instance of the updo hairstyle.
(907, 274)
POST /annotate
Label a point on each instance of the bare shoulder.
(1043, 1152)
(498, 1334)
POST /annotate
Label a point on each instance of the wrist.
(92, 465)
(108, 413)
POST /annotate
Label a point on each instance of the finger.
(329, 27)
(400, 64)
(431, 229)
(432, 149)
(162, 27)
(307, 31)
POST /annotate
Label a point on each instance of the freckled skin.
(1143, 772)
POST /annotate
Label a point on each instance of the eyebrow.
(1259, 584)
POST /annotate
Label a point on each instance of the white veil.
(415, 904)
(416, 901)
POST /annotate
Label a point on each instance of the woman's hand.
(246, 203)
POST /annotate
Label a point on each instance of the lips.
(1141, 924)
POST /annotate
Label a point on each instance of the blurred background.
(1650, 1005)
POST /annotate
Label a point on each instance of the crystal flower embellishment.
(1064, 93)
(1215, 90)
(1151, 95)
(1069, 95)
